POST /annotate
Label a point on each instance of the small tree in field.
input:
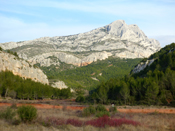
(27, 113)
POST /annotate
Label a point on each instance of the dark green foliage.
(89, 111)
(82, 76)
(102, 113)
(65, 93)
(80, 99)
(154, 85)
(100, 108)
(13, 53)
(0, 49)
(7, 114)
(18, 88)
(27, 113)
(79, 91)
(113, 109)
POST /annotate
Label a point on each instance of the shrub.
(80, 99)
(100, 108)
(8, 114)
(27, 113)
(89, 111)
(113, 109)
(102, 113)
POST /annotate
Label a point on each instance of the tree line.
(19, 88)
(155, 85)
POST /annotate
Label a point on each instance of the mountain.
(116, 39)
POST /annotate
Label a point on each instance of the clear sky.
(29, 19)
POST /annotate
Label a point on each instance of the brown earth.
(46, 106)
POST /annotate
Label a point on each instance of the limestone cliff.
(21, 68)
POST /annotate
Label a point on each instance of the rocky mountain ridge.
(116, 39)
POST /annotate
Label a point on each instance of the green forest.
(19, 88)
(83, 76)
(155, 85)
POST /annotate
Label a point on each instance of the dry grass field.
(47, 118)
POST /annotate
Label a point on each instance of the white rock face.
(116, 39)
(21, 68)
(59, 84)
(142, 66)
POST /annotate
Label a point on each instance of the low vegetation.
(27, 113)
(7, 114)
(98, 111)
(57, 119)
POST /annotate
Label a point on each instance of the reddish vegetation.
(105, 120)
(74, 122)
(99, 122)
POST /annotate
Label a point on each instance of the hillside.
(155, 84)
(91, 75)
(20, 80)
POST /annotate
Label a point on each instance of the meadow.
(56, 115)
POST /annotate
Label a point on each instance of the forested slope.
(154, 85)
(19, 88)
(91, 75)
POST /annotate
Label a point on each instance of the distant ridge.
(116, 39)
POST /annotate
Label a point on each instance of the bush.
(102, 113)
(89, 111)
(27, 113)
(80, 99)
(8, 114)
(113, 109)
(100, 108)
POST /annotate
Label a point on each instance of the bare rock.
(21, 68)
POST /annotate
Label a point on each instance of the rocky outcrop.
(45, 60)
(142, 66)
(148, 62)
(116, 39)
(59, 84)
(21, 68)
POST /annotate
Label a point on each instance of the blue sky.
(29, 19)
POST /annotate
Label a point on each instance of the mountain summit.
(116, 39)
